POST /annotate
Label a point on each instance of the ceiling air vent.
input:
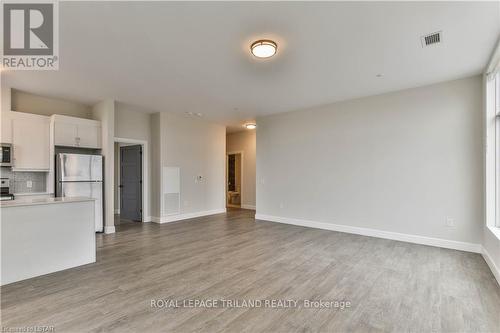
(432, 39)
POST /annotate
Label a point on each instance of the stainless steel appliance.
(80, 175)
(5, 154)
(5, 190)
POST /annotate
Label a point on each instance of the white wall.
(105, 112)
(26, 102)
(132, 122)
(400, 162)
(245, 142)
(196, 147)
(156, 163)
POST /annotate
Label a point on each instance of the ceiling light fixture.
(264, 48)
(250, 126)
(192, 114)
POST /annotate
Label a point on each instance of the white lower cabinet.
(30, 142)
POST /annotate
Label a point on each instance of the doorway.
(234, 179)
(142, 201)
(131, 182)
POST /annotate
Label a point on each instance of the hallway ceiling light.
(250, 126)
(263, 48)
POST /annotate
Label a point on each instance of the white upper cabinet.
(30, 142)
(6, 127)
(89, 135)
(65, 134)
(76, 132)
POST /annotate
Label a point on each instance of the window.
(493, 149)
(496, 108)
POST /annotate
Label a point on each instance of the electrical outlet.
(450, 222)
(29, 184)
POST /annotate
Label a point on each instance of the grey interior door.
(131, 182)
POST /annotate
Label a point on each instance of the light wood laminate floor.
(393, 286)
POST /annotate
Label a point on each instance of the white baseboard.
(438, 242)
(494, 268)
(179, 217)
(251, 207)
(109, 229)
(147, 219)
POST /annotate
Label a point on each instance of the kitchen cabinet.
(30, 142)
(65, 134)
(89, 135)
(76, 132)
(6, 127)
(42, 236)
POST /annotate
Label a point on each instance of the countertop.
(33, 194)
(27, 201)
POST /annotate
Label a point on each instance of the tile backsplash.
(18, 181)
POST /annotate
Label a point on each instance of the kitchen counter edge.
(41, 201)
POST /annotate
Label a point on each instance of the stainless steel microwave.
(6, 154)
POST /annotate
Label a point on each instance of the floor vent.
(432, 39)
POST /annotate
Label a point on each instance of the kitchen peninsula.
(45, 235)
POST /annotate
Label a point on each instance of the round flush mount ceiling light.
(264, 48)
(250, 126)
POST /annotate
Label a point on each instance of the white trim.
(251, 207)
(29, 170)
(489, 156)
(494, 269)
(117, 211)
(494, 230)
(494, 61)
(179, 217)
(109, 229)
(145, 174)
(241, 176)
(147, 219)
(439, 242)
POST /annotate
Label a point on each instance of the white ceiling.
(195, 56)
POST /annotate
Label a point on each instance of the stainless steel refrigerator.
(79, 175)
